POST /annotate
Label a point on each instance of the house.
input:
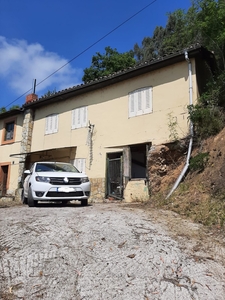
(11, 124)
(110, 126)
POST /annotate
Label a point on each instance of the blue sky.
(39, 37)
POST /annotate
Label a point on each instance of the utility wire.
(104, 36)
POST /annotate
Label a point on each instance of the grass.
(194, 203)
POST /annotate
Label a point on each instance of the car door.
(27, 180)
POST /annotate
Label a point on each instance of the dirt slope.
(201, 195)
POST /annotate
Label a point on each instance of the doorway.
(115, 175)
(4, 169)
(138, 161)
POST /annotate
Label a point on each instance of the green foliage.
(207, 121)
(210, 21)
(2, 110)
(215, 95)
(49, 93)
(198, 162)
(107, 63)
(203, 23)
(14, 107)
(179, 33)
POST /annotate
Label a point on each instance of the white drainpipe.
(191, 129)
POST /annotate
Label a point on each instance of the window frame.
(8, 121)
(140, 102)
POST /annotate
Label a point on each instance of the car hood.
(61, 174)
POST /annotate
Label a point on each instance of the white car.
(55, 181)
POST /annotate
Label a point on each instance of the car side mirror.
(27, 172)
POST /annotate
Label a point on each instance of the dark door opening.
(115, 175)
(138, 161)
(3, 180)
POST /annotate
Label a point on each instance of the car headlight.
(84, 179)
(42, 179)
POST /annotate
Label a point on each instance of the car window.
(55, 167)
(44, 168)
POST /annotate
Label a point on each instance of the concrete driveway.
(103, 251)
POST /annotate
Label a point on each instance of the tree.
(49, 93)
(179, 33)
(180, 30)
(2, 110)
(146, 52)
(14, 107)
(158, 38)
(211, 25)
(107, 63)
(203, 23)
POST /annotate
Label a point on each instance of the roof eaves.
(10, 113)
(138, 69)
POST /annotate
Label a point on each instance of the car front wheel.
(23, 198)
(30, 200)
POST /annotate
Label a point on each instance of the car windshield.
(55, 167)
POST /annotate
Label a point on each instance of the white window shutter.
(51, 124)
(80, 164)
(139, 100)
(73, 120)
(79, 117)
(55, 123)
(148, 100)
(131, 105)
(84, 117)
(47, 125)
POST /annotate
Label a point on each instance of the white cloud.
(21, 63)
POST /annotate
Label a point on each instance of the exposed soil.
(201, 193)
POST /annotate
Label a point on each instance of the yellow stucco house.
(11, 123)
(109, 126)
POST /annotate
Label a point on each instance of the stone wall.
(26, 141)
(97, 189)
(165, 163)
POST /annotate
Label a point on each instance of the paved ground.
(103, 251)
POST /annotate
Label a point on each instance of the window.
(9, 131)
(79, 117)
(140, 102)
(80, 164)
(51, 124)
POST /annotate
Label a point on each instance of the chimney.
(31, 98)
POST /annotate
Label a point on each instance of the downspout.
(191, 129)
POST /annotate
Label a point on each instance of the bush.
(207, 121)
(199, 162)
